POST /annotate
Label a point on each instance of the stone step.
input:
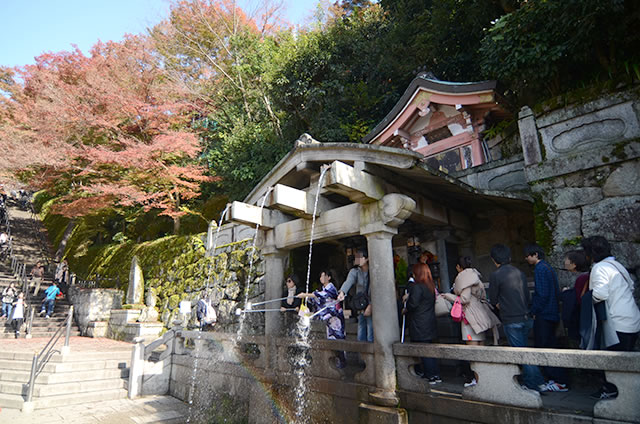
(46, 390)
(78, 398)
(63, 377)
(11, 401)
(37, 334)
(73, 357)
(62, 367)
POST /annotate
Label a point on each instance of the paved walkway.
(150, 409)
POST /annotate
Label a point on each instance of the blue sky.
(29, 28)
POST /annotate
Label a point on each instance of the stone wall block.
(573, 197)
(567, 226)
(627, 253)
(615, 218)
(623, 181)
(590, 130)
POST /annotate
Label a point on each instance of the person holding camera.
(359, 275)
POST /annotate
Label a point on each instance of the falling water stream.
(253, 250)
(302, 359)
(192, 387)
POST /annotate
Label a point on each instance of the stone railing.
(497, 367)
(150, 368)
(219, 358)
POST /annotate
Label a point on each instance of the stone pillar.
(529, 137)
(378, 223)
(445, 281)
(386, 330)
(275, 261)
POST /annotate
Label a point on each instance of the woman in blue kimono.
(328, 309)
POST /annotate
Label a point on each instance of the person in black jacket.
(508, 292)
(421, 300)
(291, 303)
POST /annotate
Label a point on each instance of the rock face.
(221, 276)
(623, 181)
(615, 218)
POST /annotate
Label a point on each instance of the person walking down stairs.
(49, 300)
(17, 318)
(37, 275)
(8, 296)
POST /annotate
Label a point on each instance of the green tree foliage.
(440, 36)
(546, 47)
(225, 59)
(335, 84)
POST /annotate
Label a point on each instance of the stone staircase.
(42, 327)
(74, 378)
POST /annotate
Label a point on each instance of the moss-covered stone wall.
(175, 268)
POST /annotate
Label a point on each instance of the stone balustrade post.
(626, 406)
(136, 369)
(529, 137)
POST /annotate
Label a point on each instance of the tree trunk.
(65, 238)
(176, 219)
(176, 225)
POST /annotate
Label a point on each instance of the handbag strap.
(619, 271)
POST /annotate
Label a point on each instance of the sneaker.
(552, 386)
(47, 316)
(604, 394)
(40, 313)
(435, 379)
(472, 383)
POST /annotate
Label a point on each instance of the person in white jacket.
(611, 283)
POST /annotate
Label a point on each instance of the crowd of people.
(14, 299)
(598, 310)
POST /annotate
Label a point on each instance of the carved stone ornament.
(395, 208)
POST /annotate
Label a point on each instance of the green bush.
(545, 47)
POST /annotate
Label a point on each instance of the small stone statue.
(149, 312)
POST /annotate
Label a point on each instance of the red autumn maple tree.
(108, 129)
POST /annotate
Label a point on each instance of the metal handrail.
(41, 359)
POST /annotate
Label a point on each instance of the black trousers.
(627, 344)
(544, 335)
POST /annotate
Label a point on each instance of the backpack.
(210, 316)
